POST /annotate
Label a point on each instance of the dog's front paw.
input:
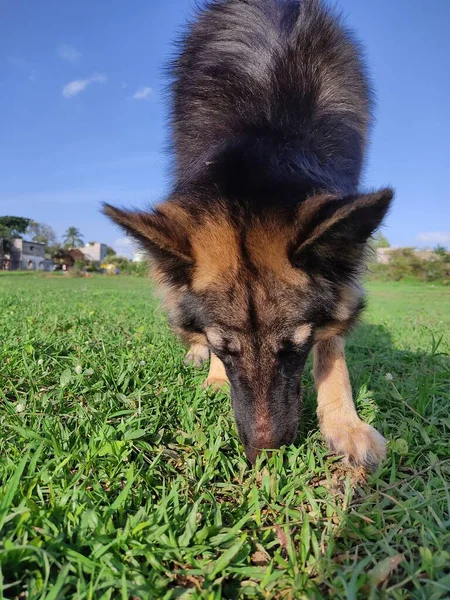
(359, 443)
(215, 383)
(197, 355)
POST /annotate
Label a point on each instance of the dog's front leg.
(217, 376)
(196, 355)
(345, 433)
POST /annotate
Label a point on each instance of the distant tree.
(13, 226)
(73, 238)
(55, 249)
(110, 251)
(91, 243)
(380, 241)
(42, 233)
(442, 252)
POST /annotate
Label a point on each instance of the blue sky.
(83, 109)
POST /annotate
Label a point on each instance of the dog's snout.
(267, 412)
(260, 440)
(252, 453)
(263, 442)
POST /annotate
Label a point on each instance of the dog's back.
(270, 91)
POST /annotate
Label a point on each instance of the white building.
(95, 252)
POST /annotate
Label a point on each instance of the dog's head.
(260, 291)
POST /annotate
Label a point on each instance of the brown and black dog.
(261, 245)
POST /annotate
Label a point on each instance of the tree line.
(20, 227)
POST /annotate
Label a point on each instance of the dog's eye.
(287, 359)
(290, 360)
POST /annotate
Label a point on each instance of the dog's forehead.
(225, 253)
(216, 252)
(245, 278)
(252, 303)
(267, 248)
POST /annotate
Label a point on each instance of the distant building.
(95, 252)
(384, 255)
(5, 257)
(27, 255)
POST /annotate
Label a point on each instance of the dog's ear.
(333, 232)
(163, 233)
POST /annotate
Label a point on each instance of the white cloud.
(78, 85)
(75, 87)
(143, 93)
(68, 53)
(434, 237)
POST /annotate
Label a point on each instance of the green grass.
(121, 478)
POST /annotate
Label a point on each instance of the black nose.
(251, 453)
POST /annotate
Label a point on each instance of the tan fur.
(345, 433)
(267, 244)
(217, 376)
(217, 251)
(302, 333)
(308, 209)
(216, 338)
(176, 214)
(215, 247)
(197, 355)
(190, 338)
(329, 331)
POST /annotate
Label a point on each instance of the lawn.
(120, 477)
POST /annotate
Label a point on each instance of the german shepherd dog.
(260, 246)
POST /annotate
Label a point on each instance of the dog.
(260, 247)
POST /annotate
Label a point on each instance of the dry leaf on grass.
(384, 568)
(281, 536)
(259, 558)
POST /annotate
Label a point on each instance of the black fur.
(269, 92)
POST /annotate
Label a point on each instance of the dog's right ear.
(163, 233)
(334, 231)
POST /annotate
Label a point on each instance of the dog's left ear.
(333, 232)
(163, 233)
